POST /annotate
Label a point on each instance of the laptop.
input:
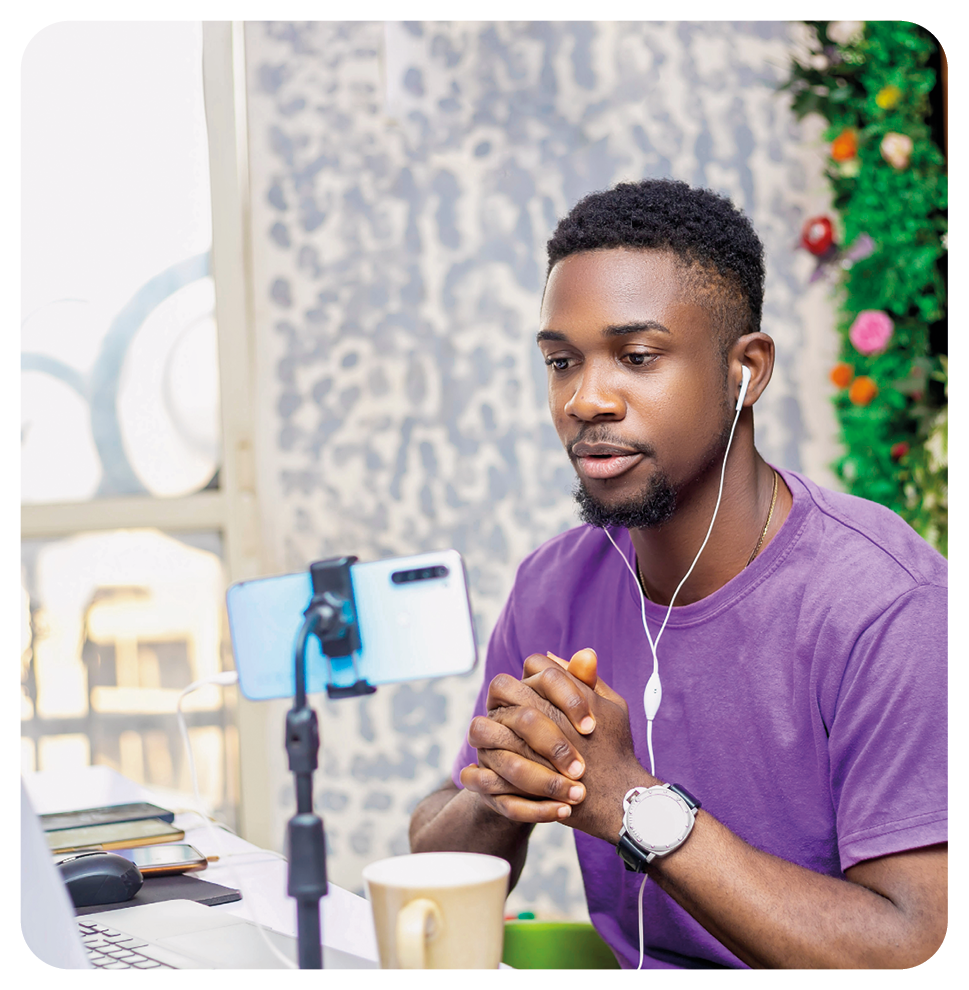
(173, 934)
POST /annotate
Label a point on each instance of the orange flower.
(845, 146)
(841, 374)
(862, 390)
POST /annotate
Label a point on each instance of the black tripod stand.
(331, 615)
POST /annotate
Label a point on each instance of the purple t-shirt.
(804, 703)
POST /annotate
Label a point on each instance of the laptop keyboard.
(107, 948)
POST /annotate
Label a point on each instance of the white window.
(132, 500)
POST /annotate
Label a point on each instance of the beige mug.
(438, 910)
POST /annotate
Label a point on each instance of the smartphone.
(413, 613)
(166, 860)
(104, 816)
(115, 835)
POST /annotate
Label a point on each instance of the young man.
(791, 678)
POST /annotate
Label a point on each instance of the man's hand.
(554, 749)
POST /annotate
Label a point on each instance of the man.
(802, 661)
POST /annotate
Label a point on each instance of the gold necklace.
(760, 542)
(770, 515)
(642, 580)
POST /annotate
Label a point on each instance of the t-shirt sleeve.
(888, 741)
(503, 656)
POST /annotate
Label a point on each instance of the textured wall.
(405, 178)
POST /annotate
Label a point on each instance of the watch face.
(659, 821)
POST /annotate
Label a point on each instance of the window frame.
(232, 510)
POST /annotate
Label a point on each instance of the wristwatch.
(656, 820)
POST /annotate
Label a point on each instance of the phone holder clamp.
(334, 615)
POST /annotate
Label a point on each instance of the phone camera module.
(419, 574)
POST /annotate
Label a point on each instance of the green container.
(555, 945)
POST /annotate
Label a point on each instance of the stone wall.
(405, 178)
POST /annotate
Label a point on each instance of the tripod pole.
(306, 841)
(330, 616)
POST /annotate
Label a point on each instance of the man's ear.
(756, 352)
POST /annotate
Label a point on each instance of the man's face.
(636, 382)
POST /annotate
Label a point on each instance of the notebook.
(175, 934)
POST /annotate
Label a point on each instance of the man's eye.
(557, 363)
(638, 358)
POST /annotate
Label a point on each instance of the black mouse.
(100, 878)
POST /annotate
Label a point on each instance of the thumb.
(583, 665)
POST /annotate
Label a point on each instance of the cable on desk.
(225, 678)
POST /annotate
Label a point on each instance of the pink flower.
(871, 331)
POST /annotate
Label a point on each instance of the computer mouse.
(100, 878)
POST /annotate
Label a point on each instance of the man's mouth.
(601, 461)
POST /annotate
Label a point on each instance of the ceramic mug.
(438, 910)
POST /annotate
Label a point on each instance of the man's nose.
(595, 397)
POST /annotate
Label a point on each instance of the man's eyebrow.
(615, 330)
(622, 329)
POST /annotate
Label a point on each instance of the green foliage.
(903, 210)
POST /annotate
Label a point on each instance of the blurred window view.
(114, 626)
(120, 400)
(119, 357)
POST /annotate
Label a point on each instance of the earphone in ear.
(745, 381)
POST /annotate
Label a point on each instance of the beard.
(651, 506)
(655, 503)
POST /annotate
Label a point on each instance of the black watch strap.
(633, 857)
(693, 804)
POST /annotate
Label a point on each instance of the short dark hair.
(703, 229)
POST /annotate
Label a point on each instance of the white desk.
(260, 874)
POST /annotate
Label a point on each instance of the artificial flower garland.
(884, 250)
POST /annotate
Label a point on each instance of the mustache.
(598, 434)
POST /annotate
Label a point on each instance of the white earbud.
(745, 376)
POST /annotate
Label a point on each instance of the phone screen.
(170, 853)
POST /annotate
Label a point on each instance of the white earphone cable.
(225, 678)
(653, 692)
(642, 887)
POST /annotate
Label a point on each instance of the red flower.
(899, 450)
(817, 235)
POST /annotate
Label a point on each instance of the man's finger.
(513, 807)
(583, 665)
(529, 778)
(544, 739)
(487, 733)
(534, 663)
(546, 678)
(504, 691)
(486, 781)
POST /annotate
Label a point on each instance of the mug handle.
(417, 922)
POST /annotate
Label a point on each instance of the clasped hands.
(555, 746)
